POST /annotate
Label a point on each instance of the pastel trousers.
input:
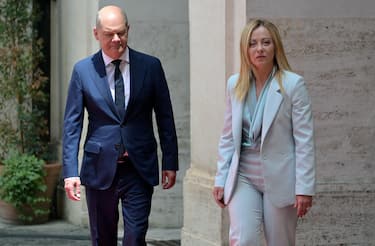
(252, 213)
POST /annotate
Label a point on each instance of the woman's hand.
(218, 194)
(303, 204)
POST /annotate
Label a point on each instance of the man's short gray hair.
(98, 21)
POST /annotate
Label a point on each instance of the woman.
(266, 165)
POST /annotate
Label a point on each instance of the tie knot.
(116, 62)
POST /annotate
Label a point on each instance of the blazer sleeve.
(303, 134)
(226, 144)
(165, 121)
(73, 122)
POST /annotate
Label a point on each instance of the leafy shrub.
(22, 185)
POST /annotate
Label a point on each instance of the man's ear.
(95, 31)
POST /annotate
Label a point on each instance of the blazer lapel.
(101, 81)
(137, 73)
(237, 112)
(274, 99)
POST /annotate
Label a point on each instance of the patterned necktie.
(119, 87)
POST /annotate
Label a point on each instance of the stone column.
(215, 27)
(71, 40)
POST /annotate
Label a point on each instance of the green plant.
(22, 185)
(24, 97)
(24, 105)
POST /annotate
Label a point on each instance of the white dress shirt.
(125, 71)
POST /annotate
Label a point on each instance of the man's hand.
(218, 194)
(303, 204)
(168, 178)
(73, 188)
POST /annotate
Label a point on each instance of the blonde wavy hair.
(280, 60)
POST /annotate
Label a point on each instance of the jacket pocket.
(90, 161)
(92, 147)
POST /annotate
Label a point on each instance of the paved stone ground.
(61, 233)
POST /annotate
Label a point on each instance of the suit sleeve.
(226, 143)
(73, 122)
(165, 121)
(303, 133)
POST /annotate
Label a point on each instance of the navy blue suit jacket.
(149, 93)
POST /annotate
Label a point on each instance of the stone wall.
(336, 57)
(332, 44)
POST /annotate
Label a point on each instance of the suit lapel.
(274, 99)
(101, 81)
(137, 73)
(237, 113)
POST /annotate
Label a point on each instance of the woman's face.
(261, 49)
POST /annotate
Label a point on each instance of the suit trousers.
(249, 209)
(135, 195)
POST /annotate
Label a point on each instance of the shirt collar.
(123, 57)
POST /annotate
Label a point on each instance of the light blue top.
(253, 114)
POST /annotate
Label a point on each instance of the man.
(120, 88)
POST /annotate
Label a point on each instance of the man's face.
(112, 35)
